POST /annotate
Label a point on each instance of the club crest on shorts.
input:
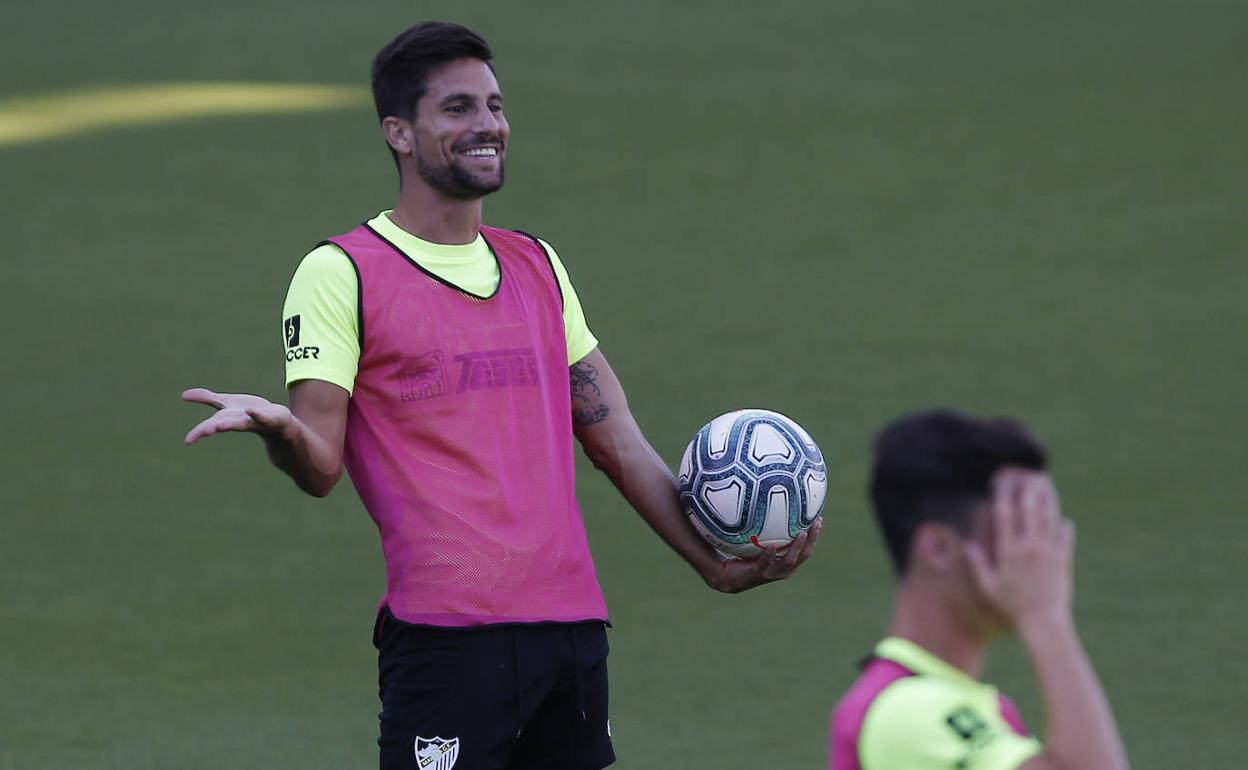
(436, 753)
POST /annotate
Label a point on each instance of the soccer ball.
(752, 479)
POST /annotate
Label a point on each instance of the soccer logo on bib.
(436, 753)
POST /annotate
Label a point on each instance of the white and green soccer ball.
(751, 479)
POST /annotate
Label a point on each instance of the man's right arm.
(311, 453)
(322, 351)
(305, 440)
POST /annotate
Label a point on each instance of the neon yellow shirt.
(323, 296)
(938, 719)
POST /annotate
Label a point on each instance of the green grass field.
(839, 211)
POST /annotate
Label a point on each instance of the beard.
(455, 180)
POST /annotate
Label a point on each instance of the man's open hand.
(237, 412)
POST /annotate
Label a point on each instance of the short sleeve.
(581, 341)
(320, 320)
(921, 724)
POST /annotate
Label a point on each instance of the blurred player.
(430, 355)
(972, 524)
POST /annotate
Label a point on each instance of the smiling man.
(448, 367)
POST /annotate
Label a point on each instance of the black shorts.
(514, 697)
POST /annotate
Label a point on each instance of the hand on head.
(1028, 571)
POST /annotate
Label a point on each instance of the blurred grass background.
(839, 211)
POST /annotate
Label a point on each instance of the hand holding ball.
(751, 479)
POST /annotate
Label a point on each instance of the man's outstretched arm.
(305, 441)
(616, 446)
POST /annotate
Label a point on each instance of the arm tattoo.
(584, 379)
(585, 395)
(589, 416)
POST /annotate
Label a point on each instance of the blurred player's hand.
(736, 575)
(238, 412)
(1028, 574)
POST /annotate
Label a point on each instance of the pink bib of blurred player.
(459, 440)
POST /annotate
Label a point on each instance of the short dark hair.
(401, 68)
(938, 465)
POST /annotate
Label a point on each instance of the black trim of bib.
(439, 278)
(359, 291)
(563, 302)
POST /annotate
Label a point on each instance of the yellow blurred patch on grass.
(70, 113)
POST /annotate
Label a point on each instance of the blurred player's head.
(441, 109)
(933, 478)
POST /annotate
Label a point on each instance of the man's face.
(460, 133)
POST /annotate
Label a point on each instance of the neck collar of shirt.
(428, 251)
(920, 661)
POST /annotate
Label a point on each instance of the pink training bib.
(851, 712)
(459, 439)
